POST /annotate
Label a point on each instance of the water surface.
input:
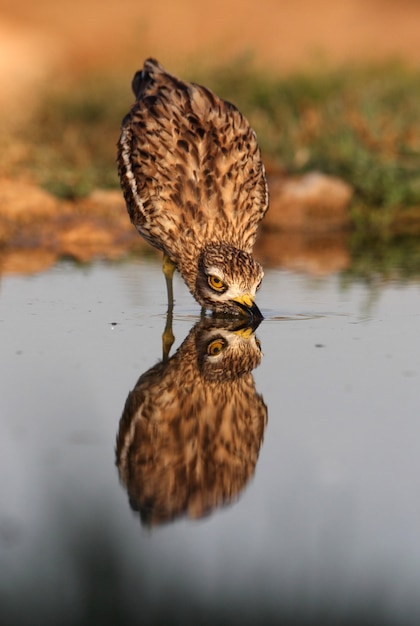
(324, 526)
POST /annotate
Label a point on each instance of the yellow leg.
(167, 337)
(168, 270)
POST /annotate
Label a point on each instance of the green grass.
(73, 137)
(362, 124)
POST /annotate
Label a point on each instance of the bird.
(191, 429)
(194, 183)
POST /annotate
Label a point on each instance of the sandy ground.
(41, 39)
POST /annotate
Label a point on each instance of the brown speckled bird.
(191, 430)
(195, 187)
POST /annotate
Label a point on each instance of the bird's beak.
(248, 306)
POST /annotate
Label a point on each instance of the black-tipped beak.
(247, 326)
(248, 307)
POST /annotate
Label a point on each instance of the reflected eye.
(258, 342)
(215, 347)
(216, 283)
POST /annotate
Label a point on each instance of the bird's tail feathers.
(143, 79)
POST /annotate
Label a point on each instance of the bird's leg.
(168, 336)
(168, 269)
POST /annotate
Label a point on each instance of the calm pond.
(294, 498)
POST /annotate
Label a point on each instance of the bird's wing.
(189, 163)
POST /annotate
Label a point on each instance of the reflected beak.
(248, 306)
(245, 332)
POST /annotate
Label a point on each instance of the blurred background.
(328, 531)
(330, 87)
(45, 40)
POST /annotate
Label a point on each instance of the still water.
(304, 504)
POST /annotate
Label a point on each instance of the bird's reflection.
(192, 427)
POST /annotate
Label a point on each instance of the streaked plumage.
(191, 429)
(195, 187)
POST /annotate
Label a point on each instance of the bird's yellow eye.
(216, 283)
(215, 347)
(259, 284)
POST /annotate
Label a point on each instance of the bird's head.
(227, 350)
(227, 281)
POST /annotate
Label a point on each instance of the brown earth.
(36, 229)
(48, 40)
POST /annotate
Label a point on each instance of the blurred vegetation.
(72, 137)
(378, 259)
(362, 124)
